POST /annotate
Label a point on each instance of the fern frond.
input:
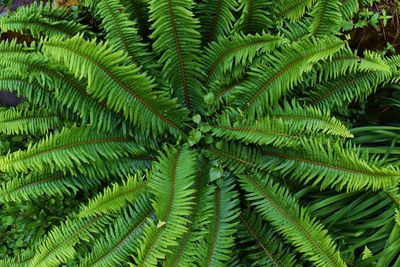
(123, 33)
(30, 19)
(122, 85)
(177, 40)
(281, 209)
(121, 239)
(265, 131)
(327, 17)
(35, 184)
(331, 165)
(260, 244)
(308, 119)
(58, 246)
(255, 16)
(296, 30)
(293, 9)
(217, 248)
(115, 197)
(138, 11)
(72, 147)
(349, 8)
(342, 91)
(19, 121)
(174, 173)
(238, 51)
(216, 18)
(267, 83)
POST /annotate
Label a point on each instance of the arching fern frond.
(255, 16)
(260, 244)
(19, 121)
(58, 246)
(177, 40)
(25, 19)
(72, 147)
(238, 51)
(216, 18)
(174, 173)
(121, 239)
(281, 209)
(267, 83)
(115, 197)
(293, 9)
(123, 33)
(217, 248)
(124, 88)
(36, 184)
(327, 17)
(332, 165)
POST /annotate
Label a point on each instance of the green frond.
(10, 50)
(123, 86)
(47, 11)
(72, 147)
(267, 83)
(121, 167)
(216, 18)
(20, 121)
(177, 40)
(58, 245)
(138, 10)
(293, 9)
(115, 197)
(260, 245)
(70, 93)
(282, 210)
(121, 239)
(332, 165)
(185, 253)
(217, 248)
(35, 184)
(327, 17)
(51, 23)
(255, 16)
(308, 119)
(265, 131)
(236, 51)
(236, 157)
(295, 30)
(18, 261)
(123, 33)
(349, 8)
(175, 173)
(345, 89)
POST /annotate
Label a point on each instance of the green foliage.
(193, 133)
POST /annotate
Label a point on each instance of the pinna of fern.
(186, 138)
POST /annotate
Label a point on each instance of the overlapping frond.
(285, 68)
(327, 17)
(33, 185)
(123, 86)
(177, 40)
(293, 9)
(174, 173)
(216, 18)
(23, 121)
(121, 239)
(115, 197)
(123, 33)
(255, 16)
(216, 249)
(58, 246)
(260, 245)
(281, 209)
(52, 22)
(226, 55)
(331, 165)
(72, 147)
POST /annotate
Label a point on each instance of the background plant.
(192, 134)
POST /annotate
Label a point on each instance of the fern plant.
(196, 134)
